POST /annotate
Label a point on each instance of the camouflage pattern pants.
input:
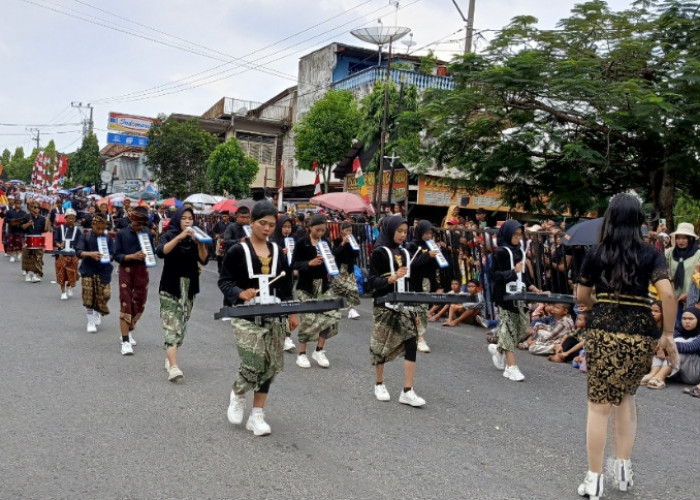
(260, 347)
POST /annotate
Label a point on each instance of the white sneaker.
(592, 486)
(513, 373)
(24, 273)
(35, 278)
(28, 277)
(127, 349)
(131, 340)
(288, 344)
(481, 321)
(167, 365)
(64, 296)
(70, 291)
(174, 374)
(256, 423)
(381, 392)
(12, 259)
(411, 398)
(236, 407)
(91, 328)
(498, 358)
(623, 474)
(353, 314)
(321, 359)
(98, 319)
(303, 361)
(423, 346)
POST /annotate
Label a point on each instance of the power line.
(39, 125)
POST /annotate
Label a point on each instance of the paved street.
(80, 421)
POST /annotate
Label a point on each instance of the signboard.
(129, 124)
(440, 191)
(127, 140)
(399, 188)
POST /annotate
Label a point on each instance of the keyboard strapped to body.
(280, 308)
(147, 248)
(550, 298)
(421, 298)
(328, 259)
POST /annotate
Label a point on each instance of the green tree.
(84, 165)
(230, 171)
(177, 153)
(5, 162)
(20, 167)
(326, 132)
(565, 118)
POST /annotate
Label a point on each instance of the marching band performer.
(33, 258)
(283, 230)
(66, 237)
(313, 284)
(219, 245)
(395, 328)
(133, 276)
(423, 274)
(260, 342)
(345, 285)
(179, 282)
(95, 272)
(14, 218)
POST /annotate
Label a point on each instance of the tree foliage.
(565, 118)
(326, 132)
(177, 153)
(84, 164)
(230, 171)
(19, 167)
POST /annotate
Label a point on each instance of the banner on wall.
(440, 191)
(399, 189)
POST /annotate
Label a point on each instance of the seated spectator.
(687, 339)
(437, 312)
(660, 368)
(542, 314)
(545, 337)
(571, 344)
(469, 310)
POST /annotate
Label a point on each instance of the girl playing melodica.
(260, 342)
(313, 284)
(345, 250)
(284, 239)
(395, 330)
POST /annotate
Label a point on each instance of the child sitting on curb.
(468, 310)
(571, 344)
(545, 337)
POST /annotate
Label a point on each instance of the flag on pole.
(280, 187)
(360, 176)
(317, 181)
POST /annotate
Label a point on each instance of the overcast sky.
(146, 57)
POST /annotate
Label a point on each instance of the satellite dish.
(380, 35)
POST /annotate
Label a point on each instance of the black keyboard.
(280, 309)
(421, 298)
(550, 298)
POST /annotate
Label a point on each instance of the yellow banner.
(399, 188)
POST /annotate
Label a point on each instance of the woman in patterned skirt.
(345, 285)
(179, 282)
(621, 336)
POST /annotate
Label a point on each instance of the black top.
(380, 271)
(503, 273)
(71, 233)
(127, 242)
(234, 274)
(233, 234)
(38, 227)
(220, 228)
(422, 266)
(182, 261)
(13, 214)
(344, 254)
(90, 266)
(304, 251)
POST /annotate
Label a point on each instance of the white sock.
(89, 316)
(255, 411)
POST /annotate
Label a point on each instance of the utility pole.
(87, 124)
(469, 22)
(38, 135)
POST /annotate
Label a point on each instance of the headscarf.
(389, 226)
(174, 229)
(689, 334)
(423, 227)
(277, 237)
(680, 255)
(505, 235)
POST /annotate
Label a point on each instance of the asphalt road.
(79, 421)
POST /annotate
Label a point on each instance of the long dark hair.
(621, 242)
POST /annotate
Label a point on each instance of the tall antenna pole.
(469, 22)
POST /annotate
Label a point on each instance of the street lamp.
(380, 36)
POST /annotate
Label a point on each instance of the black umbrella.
(584, 233)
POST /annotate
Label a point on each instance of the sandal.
(645, 379)
(693, 391)
(655, 383)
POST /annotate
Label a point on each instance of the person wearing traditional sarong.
(33, 258)
(14, 219)
(313, 284)
(65, 238)
(621, 334)
(395, 331)
(95, 272)
(179, 283)
(260, 342)
(423, 274)
(133, 276)
(283, 230)
(345, 284)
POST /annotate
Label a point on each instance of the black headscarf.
(680, 255)
(423, 227)
(389, 226)
(689, 334)
(278, 237)
(174, 228)
(505, 235)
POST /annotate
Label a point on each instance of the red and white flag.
(317, 181)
